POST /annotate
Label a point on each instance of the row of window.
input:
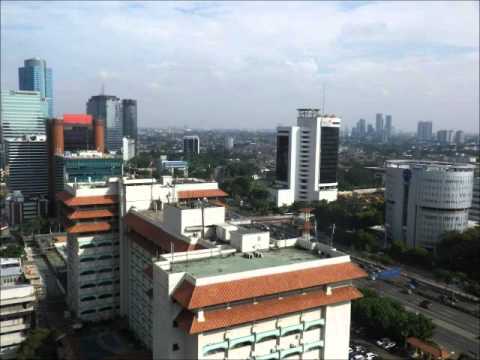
(99, 297)
(101, 271)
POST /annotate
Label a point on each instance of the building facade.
(108, 109)
(424, 131)
(474, 214)
(388, 128)
(78, 132)
(426, 199)
(307, 159)
(445, 137)
(36, 76)
(191, 146)
(379, 126)
(128, 148)
(129, 114)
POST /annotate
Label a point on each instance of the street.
(455, 330)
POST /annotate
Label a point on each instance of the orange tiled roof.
(89, 227)
(90, 214)
(70, 200)
(157, 235)
(198, 194)
(245, 313)
(192, 297)
(435, 351)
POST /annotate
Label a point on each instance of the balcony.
(16, 309)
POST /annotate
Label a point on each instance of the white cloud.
(254, 63)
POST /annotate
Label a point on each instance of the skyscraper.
(388, 127)
(36, 76)
(445, 136)
(379, 126)
(459, 137)
(109, 109)
(191, 146)
(129, 109)
(307, 158)
(424, 131)
(361, 128)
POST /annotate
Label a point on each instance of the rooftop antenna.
(103, 89)
(323, 100)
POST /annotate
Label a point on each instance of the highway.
(455, 330)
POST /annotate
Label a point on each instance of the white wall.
(337, 331)
(249, 242)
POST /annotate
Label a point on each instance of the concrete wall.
(337, 331)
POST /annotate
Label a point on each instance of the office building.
(11, 271)
(14, 208)
(22, 113)
(16, 315)
(459, 137)
(78, 132)
(129, 111)
(370, 131)
(474, 214)
(128, 148)
(36, 76)
(108, 109)
(445, 137)
(424, 131)
(27, 160)
(172, 166)
(361, 128)
(388, 128)
(241, 299)
(307, 159)
(191, 146)
(379, 124)
(425, 199)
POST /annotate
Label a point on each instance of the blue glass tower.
(35, 76)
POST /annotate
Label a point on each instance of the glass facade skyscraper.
(109, 109)
(129, 108)
(36, 76)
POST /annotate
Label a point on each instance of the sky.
(251, 65)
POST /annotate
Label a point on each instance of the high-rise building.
(307, 158)
(78, 132)
(459, 137)
(129, 110)
(388, 127)
(474, 214)
(445, 136)
(191, 146)
(370, 130)
(229, 143)
(379, 124)
(424, 131)
(108, 109)
(425, 199)
(362, 128)
(36, 76)
(22, 113)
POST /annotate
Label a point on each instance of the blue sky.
(250, 65)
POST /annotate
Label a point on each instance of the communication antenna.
(323, 100)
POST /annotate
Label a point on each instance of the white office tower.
(474, 214)
(128, 148)
(425, 199)
(307, 158)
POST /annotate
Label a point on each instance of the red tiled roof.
(90, 214)
(89, 227)
(192, 297)
(70, 200)
(198, 194)
(157, 235)
(245, 313)
(435, 351)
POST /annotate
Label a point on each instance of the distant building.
(191, 146)
(27, 160)
(388, 127)
(108, 109)
(459, 137)
(425, 199)
(362, 128)
(424, 131)
(307, 158)
(129, 113)
(445, 137)
(11, 271)
(370, 130)
(128, 148)
(36, 76)
(379, 126)
(229, 143)
(171, 166)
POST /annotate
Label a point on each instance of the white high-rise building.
(307, 158)
(425, 199)
(474, 214)
(128, 148)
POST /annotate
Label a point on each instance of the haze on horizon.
(250, 65)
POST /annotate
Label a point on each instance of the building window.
(175, 347)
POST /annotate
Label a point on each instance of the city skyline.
(258, 61)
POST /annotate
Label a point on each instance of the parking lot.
(363, 348)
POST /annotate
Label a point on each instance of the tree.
(364, 241)
(39, 345)
(11, 251)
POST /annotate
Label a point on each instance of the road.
(455, 330)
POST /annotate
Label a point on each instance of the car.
(360, 348)
(386, 343)
(426, 304)
(358, 357)
(370, 356)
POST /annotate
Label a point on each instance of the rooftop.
(428, 165)
(236, 262)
